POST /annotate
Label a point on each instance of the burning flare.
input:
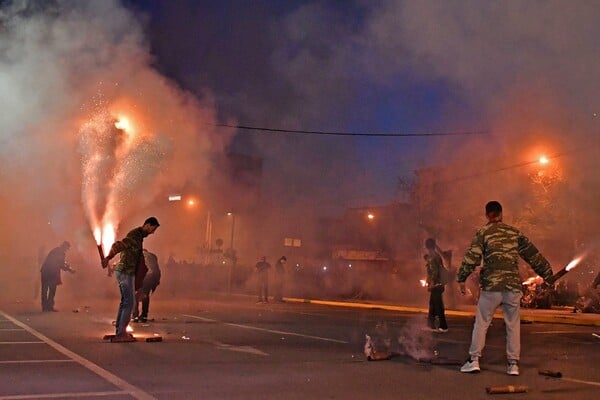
(573, 263)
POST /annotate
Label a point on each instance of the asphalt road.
(232, 348)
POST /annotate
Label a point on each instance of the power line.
(334, 133)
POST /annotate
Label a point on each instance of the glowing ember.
(534, 280)
(573, 264)
(423, 282)
(129, 329)
(544, 160)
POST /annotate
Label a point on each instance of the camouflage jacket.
(500, 246)
(130, 249)
(434, 270)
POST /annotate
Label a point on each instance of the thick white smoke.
(90, 132)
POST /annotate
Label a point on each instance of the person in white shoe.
(499, 246)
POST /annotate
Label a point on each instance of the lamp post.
(232, 215)
(232, 252)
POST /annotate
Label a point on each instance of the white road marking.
(127, 387)
(268, 330)
(35, 361)
(21, 342)
(62, 395)
(581, 381)
(240, 349)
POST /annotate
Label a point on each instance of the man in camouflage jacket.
(130, 249)
(499, 246)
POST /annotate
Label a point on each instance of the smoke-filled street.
(436, 157)
(231, 348)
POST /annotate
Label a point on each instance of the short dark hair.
(430, 244)
(152, 221)
(494, 208)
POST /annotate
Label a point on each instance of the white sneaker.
(512, 368)
(470, 366)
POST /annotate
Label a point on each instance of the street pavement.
(219, 346)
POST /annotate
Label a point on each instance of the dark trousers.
(436, 308)
(48, 292)
(263, 286)
(278, 287)
(145, 307)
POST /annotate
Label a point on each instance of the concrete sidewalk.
(553, 316)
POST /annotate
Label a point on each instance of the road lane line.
(106, 375)
(269, 330)
(21, 342)
(581, 381)
(62, 395)
(35, 361)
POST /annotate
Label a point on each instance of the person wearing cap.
(499, 246)
(130, 249)
(50, 271)
(279, 279)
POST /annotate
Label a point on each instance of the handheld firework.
(552, 280)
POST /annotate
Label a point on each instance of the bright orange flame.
(573, 264)
(123, 123)
(129, 329)
(370, 216)
(544, 160)
(423, 282)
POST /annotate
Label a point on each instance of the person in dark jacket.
(148, 285)
(262, 269)
(279, 279)
(435, 285)
(130, 249)
(54, 263)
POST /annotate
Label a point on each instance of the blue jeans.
(486, 306)
(125, 282)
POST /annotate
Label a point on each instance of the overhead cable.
(334, 133)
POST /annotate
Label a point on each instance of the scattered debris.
(154, 339)
(185, 337)
(550, 373)
(506, 389)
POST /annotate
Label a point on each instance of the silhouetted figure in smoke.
(499, 246)
(53, 264)
(436, 282)
(262, 271)
(279, 279)
(148, 285)
(131, 249)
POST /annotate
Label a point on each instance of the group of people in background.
(262, 271)
(494, 252)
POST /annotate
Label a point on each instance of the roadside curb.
(546, 316)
